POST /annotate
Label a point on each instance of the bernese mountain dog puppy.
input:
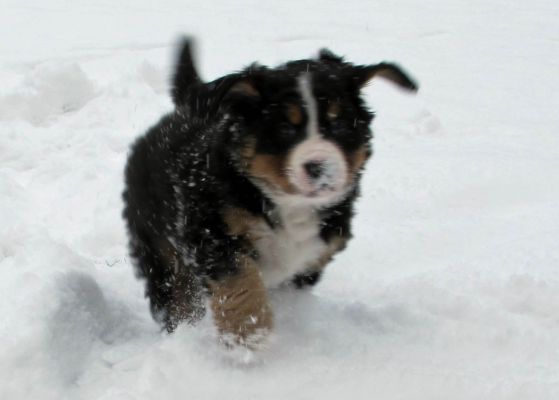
(247, 185)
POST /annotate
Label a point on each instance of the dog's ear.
(186, 75)
(243, 97)
(234, 92)
(360, 75)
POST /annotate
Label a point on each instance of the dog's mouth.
(318, 178)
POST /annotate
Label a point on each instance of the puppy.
(247, 185)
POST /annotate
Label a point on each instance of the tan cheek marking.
(356, 161)
(270, 168)
(240, 306)
(358, 158)
(294, 114)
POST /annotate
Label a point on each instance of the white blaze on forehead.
(330, 185)
(305, 88)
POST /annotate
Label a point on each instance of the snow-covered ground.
(450, 289)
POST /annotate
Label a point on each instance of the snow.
(450, 289)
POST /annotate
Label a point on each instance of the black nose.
(314, 169)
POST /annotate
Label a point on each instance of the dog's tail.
(186, 76)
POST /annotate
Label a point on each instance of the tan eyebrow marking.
(333, 110)
(294, 114)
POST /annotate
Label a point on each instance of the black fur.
(186, 76)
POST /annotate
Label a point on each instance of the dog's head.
(300, 131)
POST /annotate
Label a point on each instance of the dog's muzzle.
(318, 168)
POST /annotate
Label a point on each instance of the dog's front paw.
(251, 339)
(240, 308)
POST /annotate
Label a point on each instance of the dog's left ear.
(360, 75)
(244, 87)
(240, 94)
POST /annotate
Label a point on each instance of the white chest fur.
(291, 247)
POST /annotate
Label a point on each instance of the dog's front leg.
(240, 306)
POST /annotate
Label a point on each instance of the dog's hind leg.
(175, 294)
(186, 294)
